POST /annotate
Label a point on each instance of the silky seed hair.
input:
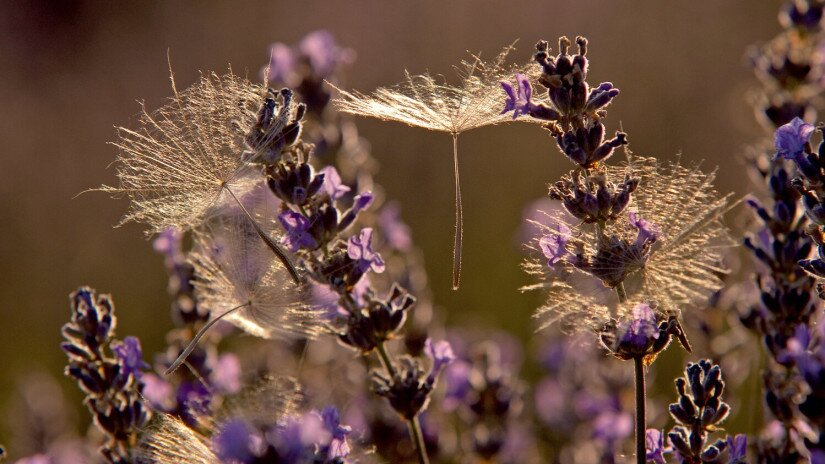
(684, 265)
(171, 441)
(174, 166)
(241, 280)
(429, 102)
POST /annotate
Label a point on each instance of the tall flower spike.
(240, 282)
(423, 101)
(189, 156)
(676, 265)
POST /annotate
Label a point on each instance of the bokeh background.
(71, 71)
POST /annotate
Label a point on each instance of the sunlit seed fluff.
(431, 103)
(237, 272)
(682, 268)
(171, 441)
(174, 164)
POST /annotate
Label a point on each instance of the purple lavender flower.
(362, 201)
(297, 229)
(655, 445)
(129, 354)
(281, 64)
(360, 249)
(338, 447)
(457, 379)
(518, 99)
(611, 427)
(332, 183)
(791, 138)
(234, 442)
(553, 246)
(158, 392)
(737, 449)
(323, 53)
(226, 374)
(441, 353)
(648, 232)
(641, 330)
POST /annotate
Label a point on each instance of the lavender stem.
(640, 410)
(418, 439)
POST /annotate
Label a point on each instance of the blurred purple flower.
(518, 98)
(167, 242)
(791, 138)
(551, 402)
(553, 245)
(129, 354)
(36, 459)
(323, 53)
(396, 233)
(226, 374)
(332, 183)
(360, 249)
(611, 427)
(338, 447)
(655, 445)
(796, 347)
(457, 379)
(158, 392)
(234, 442)
(737, 449)
(281, 65)
(441, 354)
(296, 227)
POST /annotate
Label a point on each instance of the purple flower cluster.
(787, 308)
(112, 384)
(316, 437)
(698, 412)
(574, 110)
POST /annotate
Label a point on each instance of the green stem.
(385, 359)
(418, 440)
(413, 424)
(621, 292)
(640, 411)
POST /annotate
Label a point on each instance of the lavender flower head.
(791, 138)
(360, 249)
(518, 98)
(553, 246)
(666, 249)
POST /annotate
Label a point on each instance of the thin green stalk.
(620, 290)
(418, 439)
(413, 424)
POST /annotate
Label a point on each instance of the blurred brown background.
(70, 71)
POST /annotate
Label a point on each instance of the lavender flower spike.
(791, 138)
(360, 249)
(553, 246)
